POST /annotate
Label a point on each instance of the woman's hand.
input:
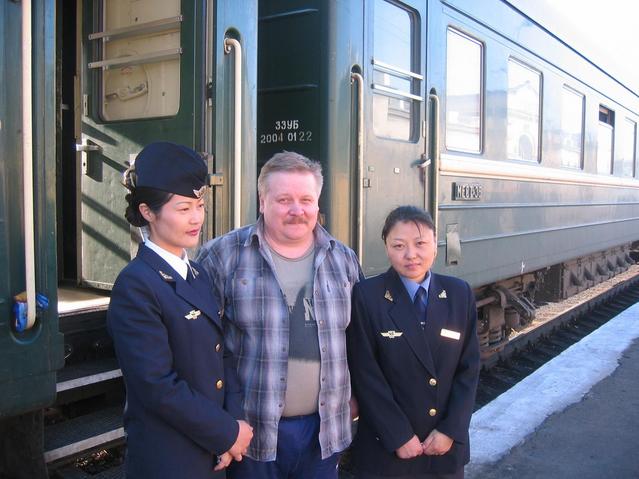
(354, 407)
(437, 443)
(223, 461)
(242, 442)
(412, 448)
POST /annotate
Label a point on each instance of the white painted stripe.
(507, 420)
(476, 167)
(86, 380)
(76, 447)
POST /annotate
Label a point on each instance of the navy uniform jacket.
(172, 362)
(408, 380)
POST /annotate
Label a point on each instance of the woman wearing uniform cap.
(167, 330)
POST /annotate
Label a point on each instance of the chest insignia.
(193, 314)
(388, 296)
(392, 334)
(165, 277)
(442, 295)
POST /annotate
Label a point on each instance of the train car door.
(150, 71)
(394, 170)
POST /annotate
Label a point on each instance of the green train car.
(524, 151)
(106, 78)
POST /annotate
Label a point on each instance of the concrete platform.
(577, 416)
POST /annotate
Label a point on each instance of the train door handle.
(85, 147)
(424, 163)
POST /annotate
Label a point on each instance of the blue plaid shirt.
(257, 331)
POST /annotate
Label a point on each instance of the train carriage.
(524, 151)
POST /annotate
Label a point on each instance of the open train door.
(394, 168)
(154, 71)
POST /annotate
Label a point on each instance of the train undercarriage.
(509, 306)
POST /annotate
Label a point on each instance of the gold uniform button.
(432, 412)
(432, 382)
(219, 384)
(218, 347)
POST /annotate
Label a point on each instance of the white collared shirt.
(180, 265)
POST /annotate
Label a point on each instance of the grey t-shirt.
(296, 281)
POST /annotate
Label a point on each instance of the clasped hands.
(436, 444)
(238, 449)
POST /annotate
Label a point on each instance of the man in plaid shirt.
(285, 284)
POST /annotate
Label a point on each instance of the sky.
(606, 29)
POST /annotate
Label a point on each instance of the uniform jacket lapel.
(403, 314)
(195, 293)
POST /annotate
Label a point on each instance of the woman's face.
(411, 249)
(177, 225)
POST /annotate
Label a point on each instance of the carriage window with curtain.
(572, 128)
(463, 92)
(605, 135)
(395, 81)
(139, 64)
(524, 106)
(625, 161)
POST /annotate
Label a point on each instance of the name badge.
(447, 333)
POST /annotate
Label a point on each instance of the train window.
(524, 105)
(463, 92)
(572, 128)
(395, 83)
(605, 134)
(625, 161)
(140, 59)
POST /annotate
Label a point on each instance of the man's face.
(290, 207)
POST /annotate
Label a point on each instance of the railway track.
(557, 327)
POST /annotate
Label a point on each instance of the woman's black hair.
(406, 214)
(153, 198)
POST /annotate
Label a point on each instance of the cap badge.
(199, 193)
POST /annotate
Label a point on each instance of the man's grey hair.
(288, 162)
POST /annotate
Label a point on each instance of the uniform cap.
(172, 168)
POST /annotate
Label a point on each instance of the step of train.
(73, 437)
(86, 419)
(116, 472)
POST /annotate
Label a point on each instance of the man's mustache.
(298, 220)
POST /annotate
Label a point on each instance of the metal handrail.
(396, 70)
(359, 79)
(27, 165)
(156, 26)
(170, 54)
(229, 45)
(396, 92)
(435, 159)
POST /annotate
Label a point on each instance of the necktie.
(420, 306)
(190, 277)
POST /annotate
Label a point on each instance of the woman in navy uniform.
(414, 359)
(167, 330)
